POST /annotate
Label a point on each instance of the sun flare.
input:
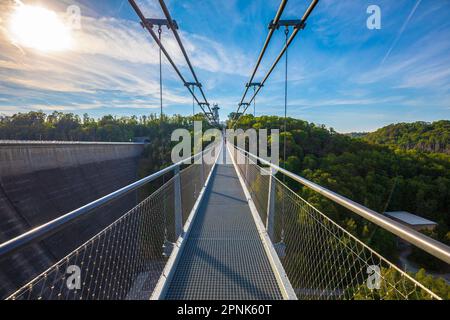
(39, 28)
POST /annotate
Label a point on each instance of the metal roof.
(409, 218)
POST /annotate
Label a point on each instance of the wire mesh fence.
(193, 179)
(321, 259)
(191, 185)
(126, 259)
(257, 183)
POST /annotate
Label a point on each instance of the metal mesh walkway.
(224, 257)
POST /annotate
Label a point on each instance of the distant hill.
(356, 134)
(423, 136)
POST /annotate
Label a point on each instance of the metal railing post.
(178, 210)
(271, 205)
(202, 169)
(246, 164)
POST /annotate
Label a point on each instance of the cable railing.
(126, 259)
(321, 259)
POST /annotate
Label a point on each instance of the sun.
(39, 28)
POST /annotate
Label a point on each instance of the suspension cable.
(264, 48)
(300, 26)
(161, 116)
(148, 26)
(183, 50)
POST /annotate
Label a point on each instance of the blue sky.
(341, 74)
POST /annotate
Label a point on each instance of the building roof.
(409, 218)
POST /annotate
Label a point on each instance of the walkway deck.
(224, 257)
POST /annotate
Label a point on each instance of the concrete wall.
(20, 158)
(41, 181)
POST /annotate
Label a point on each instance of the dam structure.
(41, 181)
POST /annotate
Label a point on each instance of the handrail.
(433, 247)
(49, 228)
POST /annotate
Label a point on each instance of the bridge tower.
(215, 110)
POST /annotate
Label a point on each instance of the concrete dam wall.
(42, 181)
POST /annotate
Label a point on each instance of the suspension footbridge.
(221, 229)
(221, 224)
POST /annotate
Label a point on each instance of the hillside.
(356, 134)
(377, 176)
(371, 173)
(422, 136)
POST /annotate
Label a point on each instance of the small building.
(411, 220)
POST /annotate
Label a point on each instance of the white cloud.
(109, 54)
(423, 65)
(347, 101)
(402, 29)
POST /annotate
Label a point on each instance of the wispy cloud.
(110, 54)
(402, 29)
(423, 65)
(346, 101)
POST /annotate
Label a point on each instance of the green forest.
(381, 177)
(394, 168)
(373, 170)
(423, 136)
(58, 126)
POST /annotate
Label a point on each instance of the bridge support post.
(271, 205)
(246, 164)
(202, 169)
(177, 195)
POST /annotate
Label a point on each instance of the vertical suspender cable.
(286, 32)
(254, 103)
(193, 104)
(160, 74)
(162, 128)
